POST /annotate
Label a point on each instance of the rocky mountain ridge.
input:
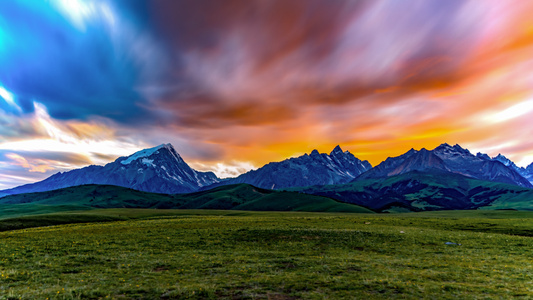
(162, 170)
(309, 169)
(453, 159)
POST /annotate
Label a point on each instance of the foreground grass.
(197, 254)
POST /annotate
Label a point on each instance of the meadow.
(198, 254)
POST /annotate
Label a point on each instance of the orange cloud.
(39, 166)
(262, 81)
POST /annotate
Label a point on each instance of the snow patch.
(179, 179)
(148, 162)
(141, 154)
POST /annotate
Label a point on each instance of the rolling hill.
(235, 197)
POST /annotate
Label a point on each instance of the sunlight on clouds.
(92, 143)
(9, 180)
(91, 149)
(38, 166)
(76, 11)
(51, 129)
(224, 170)
(512, 112)
(8, 97)
(69, 132)
(303, 75)
(92, 140)
(525, 160)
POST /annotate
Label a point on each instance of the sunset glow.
(236, 84)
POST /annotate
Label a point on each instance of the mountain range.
(447, 177)
(309, 169)
(452, 159)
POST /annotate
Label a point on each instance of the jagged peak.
(446, 147)
(314, 152)
(483, 156)
(455, 148)
(412, 150)
(500, 156)
(336, 150)
(461, 149)
(504, 160)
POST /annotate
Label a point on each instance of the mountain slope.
(159, 169)
(236, 197)
(527, 172)
(453, 159)
(313, 169)
(428, 190)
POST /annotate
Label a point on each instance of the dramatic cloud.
(236, 84)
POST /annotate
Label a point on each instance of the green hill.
(234, 197)
(422, 191)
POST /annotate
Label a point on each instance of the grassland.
(177, 254)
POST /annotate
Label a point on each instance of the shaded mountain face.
(314, 169)
(158, 170)
(527, 172)
(453, 159)
(427, 190)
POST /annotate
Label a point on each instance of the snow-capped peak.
(447, 149)
(144, 153)
(504, 160)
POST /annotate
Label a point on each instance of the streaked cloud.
(39, 166)
(513, 112)
(236, 84)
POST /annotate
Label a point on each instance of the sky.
(236, 84)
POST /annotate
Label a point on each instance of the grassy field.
(182, 254)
